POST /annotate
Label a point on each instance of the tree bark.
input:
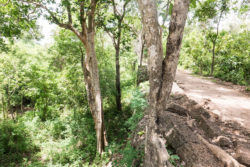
(142, 48)
(3, 106)
(91, 73)
(118, 80)
(91, 77)
(117, 44)
(213, 56)
(214, 43)
(161, 72)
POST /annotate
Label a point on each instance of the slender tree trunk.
(9, 108)
(91, 77)
(214, 43)
(213, 56)
(22, 102)
(117, 46)
(3, 107)
(118, 80)
(103, 131)
(161, 72)
(142, 49)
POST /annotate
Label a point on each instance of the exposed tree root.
(227, 160)
(199, 137)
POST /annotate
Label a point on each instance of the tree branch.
(114, 8)
(5, 4)
(56, 20)
(69, 13)
(124, 9)
(83, 19)
(91, 15)
(167, 11)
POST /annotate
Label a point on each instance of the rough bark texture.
(142, 74)
(161, 72)
(91, 77)
(181, 126)
(142, 71)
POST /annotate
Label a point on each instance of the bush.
(232, 60)
(15, 143)
(131, 156)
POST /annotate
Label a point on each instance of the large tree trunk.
(91, 77)
(161, 72)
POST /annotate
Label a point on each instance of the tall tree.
(222, 9)
(79, 17)
(115, 32)
(161, 71)
(212, 11)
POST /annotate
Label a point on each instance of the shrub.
(15, 143)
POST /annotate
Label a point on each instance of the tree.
(114, 29)
(161, 71)
(212, 10)
(14, 21)
(79, 17)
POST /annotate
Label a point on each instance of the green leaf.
(141, 133)
(171, 8)
(193, 4)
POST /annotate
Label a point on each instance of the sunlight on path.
(228, 103)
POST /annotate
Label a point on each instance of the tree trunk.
(142, 48)
(3, 107)
(91, 77)
(22, 102)
(117, 46)
(161, 72)
(214, 43)
(117, 80)
(212, 65)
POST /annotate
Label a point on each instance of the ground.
(228, 102)
(205, 122)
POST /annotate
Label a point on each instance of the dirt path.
(226, 102)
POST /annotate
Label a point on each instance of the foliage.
(46, 119)
(232, 62)
(130, 156)
(30, 85)
(14, 21)
(68, 139)
(15, 142)
(174, 158)
(138, 105)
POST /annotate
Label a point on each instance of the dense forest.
(80, 96)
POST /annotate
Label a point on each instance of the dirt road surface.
(228, 103)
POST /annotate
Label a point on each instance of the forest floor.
(226, 100)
